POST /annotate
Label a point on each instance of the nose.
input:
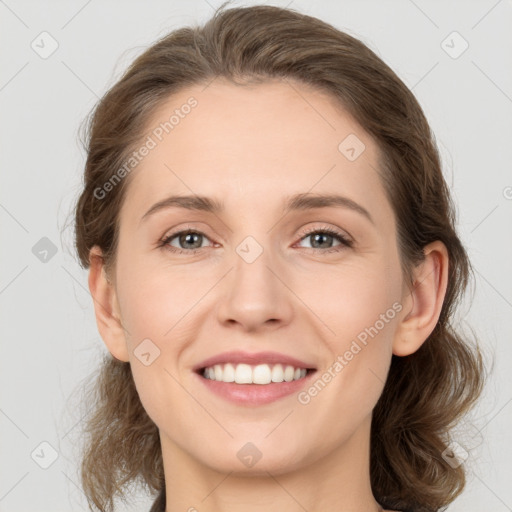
(255, 295)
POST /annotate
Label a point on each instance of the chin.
(254, 458)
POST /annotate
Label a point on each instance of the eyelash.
(345, 242)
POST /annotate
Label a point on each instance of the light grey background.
(48, 331)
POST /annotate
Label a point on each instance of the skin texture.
(251, 147)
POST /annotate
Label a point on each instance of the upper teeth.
(259, 374)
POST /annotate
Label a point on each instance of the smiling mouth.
(254, 374)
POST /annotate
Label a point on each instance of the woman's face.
(260, 274)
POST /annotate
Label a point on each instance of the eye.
(324, 236)
(190, 241)
(188, 238)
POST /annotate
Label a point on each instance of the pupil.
(186, 237)
(320, 236)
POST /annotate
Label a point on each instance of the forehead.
(254, 144)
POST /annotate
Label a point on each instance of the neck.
(339, 481)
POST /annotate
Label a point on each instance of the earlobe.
(106, 307)
(424, 301)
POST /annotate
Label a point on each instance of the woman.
(299, 354)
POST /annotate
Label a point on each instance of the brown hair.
(426, 393)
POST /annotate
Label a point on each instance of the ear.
(422, 304)
(106, 306)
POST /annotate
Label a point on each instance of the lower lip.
(255, 394)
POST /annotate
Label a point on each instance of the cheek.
(355, 300)
(361, 310)
(154, 301)
(154, 307)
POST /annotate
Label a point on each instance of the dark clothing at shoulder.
(159, 503)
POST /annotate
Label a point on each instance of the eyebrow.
(304, 201)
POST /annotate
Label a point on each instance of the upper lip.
(237, 357)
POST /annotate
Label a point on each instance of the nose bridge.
(254, 294)
(252, 277)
